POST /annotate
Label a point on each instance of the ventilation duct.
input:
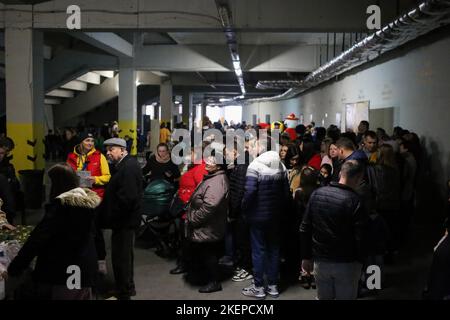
(426, 17)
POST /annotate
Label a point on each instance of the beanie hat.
(85, 135)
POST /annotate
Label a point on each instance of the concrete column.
(128, 104)
(48, 118)
(24, 64)
(187, 108)
(166, 101)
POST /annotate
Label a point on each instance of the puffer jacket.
(236, 175)
(94, 162)
(208, 209)
(266, 192)
(64, 237)
(334, 226)
(385, 185)
(190, 180)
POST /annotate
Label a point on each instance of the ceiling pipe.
(227, 24)
(428, 16)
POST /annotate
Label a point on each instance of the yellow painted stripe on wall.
(129, 128)
(21, 133)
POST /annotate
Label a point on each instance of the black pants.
(241, 234)
(207, 254)
(100, 244)
(184, 252)
(122, 255)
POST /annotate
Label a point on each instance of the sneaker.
(242, 275)
(102, 269)
(254, 292)
(272, 291)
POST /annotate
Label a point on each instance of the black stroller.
(157, 225)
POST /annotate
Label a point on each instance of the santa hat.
(291, 117)
(263, 125)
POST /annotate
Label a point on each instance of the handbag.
(177, 207)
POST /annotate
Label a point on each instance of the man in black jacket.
(121, 211)
(240, 231)
(333, 235)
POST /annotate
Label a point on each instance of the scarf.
(162, 160)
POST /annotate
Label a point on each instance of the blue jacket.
(358, 155)
(266, 191)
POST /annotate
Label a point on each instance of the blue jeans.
(265, 242)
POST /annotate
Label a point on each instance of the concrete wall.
(414, 81)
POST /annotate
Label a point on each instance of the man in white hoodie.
(265, 195)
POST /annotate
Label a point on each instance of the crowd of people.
(318, 209)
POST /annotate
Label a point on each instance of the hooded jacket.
(94, 162)
(64, 237)
(266, 191)
(208, 209)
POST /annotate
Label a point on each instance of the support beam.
(52, 101)
(204, 58)
(90, 77)
(75, 85)
(86, 101)
(107, 41)
(60, 93)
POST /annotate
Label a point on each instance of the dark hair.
(162, 145)
(300, 129)
(333, 132)
(308, 182)
(327, 167)
(321, 132)
(63, 178)
(345, 143)
(351, 136)
(293, 151)
(352, 169)
(398, 132)
(366, 123)
(371, 134)
(163, 125)
(308, 150)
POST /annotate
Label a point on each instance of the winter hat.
(85, 135)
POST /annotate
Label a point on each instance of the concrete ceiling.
(259, 38)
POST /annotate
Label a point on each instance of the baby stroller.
(157, 225)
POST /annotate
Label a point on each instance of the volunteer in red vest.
(86, 158)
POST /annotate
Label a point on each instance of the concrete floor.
(403, 280)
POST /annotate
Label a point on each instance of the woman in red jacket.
(86, 158)
(187, 185)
